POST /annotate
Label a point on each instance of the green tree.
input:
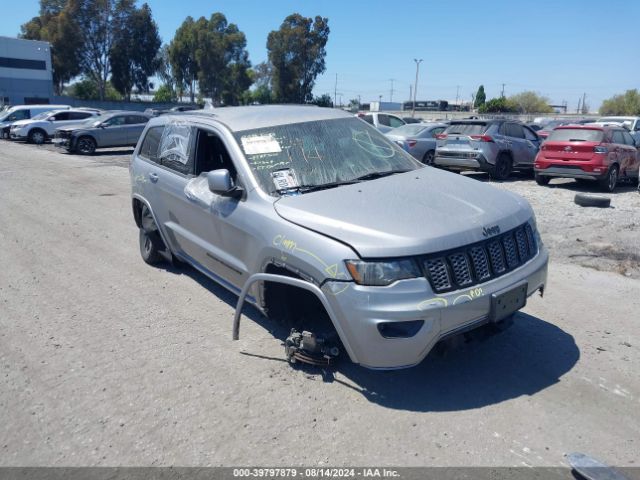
(165, 71)
(164, 94)
(87, 89)
(297, 55)
(480, 98)
(182, 56)
(625, 104)
(498, 105)
(134, 53)
(55, 25)
(531, 102)
(99, 24)
(222, 60)
(323, 100)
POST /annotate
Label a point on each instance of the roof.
(261, 116)
(589, 126)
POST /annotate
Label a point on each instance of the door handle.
(153, 177)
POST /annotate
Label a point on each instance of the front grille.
(480, 262)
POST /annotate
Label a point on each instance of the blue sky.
(559, 48)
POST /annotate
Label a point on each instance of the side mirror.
(220, 183)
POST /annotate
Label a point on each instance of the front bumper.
(18, 134)
(61, 142)
(358, 310)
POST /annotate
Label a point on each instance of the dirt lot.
(107, 361)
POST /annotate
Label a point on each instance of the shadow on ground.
(527, 358)
(486, 369)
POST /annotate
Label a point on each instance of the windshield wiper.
(325, 186)
(313, 188)
(370, 176)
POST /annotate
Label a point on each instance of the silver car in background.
(493, 146)
(388, 255)
(42, 127)
(112, 129)
(419, 139)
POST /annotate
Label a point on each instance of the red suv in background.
(588, 152)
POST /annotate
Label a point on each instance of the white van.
(23, 112)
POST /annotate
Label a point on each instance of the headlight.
(380, 274)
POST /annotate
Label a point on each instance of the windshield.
(576, 135)
(320, 153)
(410, 129)
(466, 128)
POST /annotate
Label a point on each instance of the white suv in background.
(42, 127)
(382, 121)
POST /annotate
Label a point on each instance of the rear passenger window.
(529, 135)
(514, 130)
(59, 117)
(78, 115)
(151, 144)
(136, 120)
(628, 139)
(617, 137)
(176, 152)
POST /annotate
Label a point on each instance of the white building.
(25, 71)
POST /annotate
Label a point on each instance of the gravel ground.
(107, 361)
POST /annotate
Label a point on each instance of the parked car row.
(602, 151)
(78, 130)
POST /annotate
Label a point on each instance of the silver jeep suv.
(493, 146)
(319, 219)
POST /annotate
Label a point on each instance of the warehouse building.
(25, 72)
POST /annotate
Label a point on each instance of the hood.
(419, 212)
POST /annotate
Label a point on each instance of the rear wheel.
(149, 238)
(502, 169)
(86, 145)
(608, 183)
(542, 180)
(5, 133)
(428, 157)
(37, 136)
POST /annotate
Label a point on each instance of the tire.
(86, 145)
(37, 136)
(592, 200)
(149, 238)
(608, 183)
(5, 134)
(502, 169)
(542, 179)
(428, 157)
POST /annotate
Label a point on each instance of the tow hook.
(305, 347)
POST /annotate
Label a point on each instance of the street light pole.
(415, 87)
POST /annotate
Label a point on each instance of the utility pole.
(584, 105)
(415, 87)
(335, 91)
(457, 93)
(391, 92)
(502, 93)
(410, 93)
(578, 109)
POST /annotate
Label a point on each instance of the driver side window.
(212, 154)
